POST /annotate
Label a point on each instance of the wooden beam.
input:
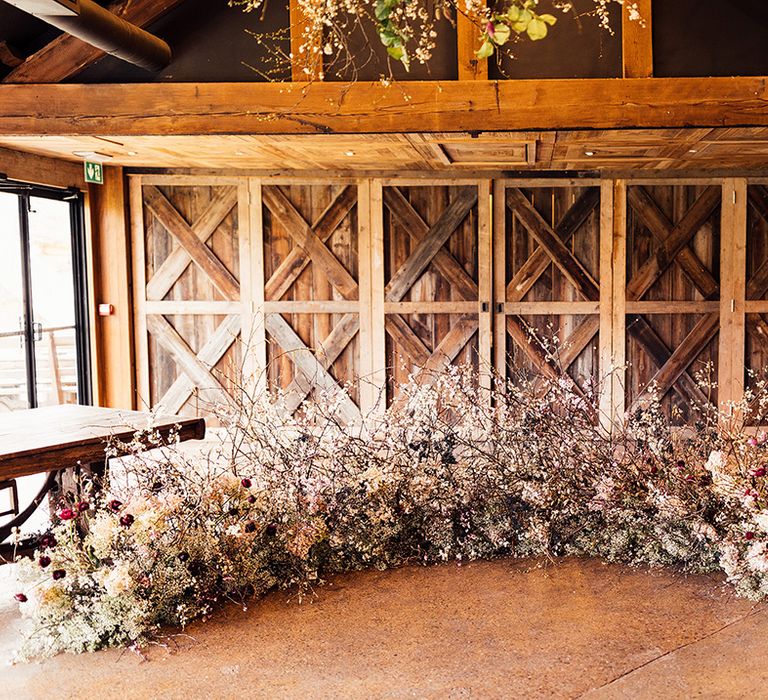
(307, 64)
(111, 271)
(9, 56)
(66, 56)
(370, 107)
(637, 39)
(41, 170)
(468, 41)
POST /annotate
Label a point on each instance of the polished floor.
(483, 630)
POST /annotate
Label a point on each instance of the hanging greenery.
(408, 28)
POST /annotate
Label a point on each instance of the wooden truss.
(312, 369)
(196, 368)
(429, 249)
(673, 243)
(553, 249)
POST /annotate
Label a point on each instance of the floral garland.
(407, 28)
(284, 501)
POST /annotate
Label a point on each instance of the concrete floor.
(483, 630)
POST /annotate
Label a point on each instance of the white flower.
(757, 557)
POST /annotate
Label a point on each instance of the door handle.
(22, 331)
(37, 329)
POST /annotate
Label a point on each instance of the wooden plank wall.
(615, 285)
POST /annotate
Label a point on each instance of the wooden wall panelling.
(187, 249)
(111, 283)
(673, 244)
(548, 274)
(312, 268)
(432, 242)
(138, 271)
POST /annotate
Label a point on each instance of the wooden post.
(619, 300)
(485, 284)
(378, 378)
(251, 235)
(606, 305)
(141, 370)
(306, 65)
(733, 249)
(499, 279)
(637, 39)
(111, 285)
(468, 39)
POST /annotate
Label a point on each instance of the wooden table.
(55, 438)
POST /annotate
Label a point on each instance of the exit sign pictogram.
(94, 173)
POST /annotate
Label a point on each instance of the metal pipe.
(95, 25)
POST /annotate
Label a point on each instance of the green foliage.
(520, 18)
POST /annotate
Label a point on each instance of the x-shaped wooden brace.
(312, 369)
(429, 249)
(757, 286)
(192, 248)
(674, 247)
(553, 248)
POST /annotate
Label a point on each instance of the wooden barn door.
(436, 255)
(548, 280)
(186, 240)
(673, 293)
(314, 249)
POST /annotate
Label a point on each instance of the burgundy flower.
(183, 556)
(654, 470)
(760, 471)
(44, 561)
(749, 535)
(126, 520)
(250, 527)
(83, 506)
(251, 499)
(115, 505)
(67, 514)
(271, 530)
(21, 598)
(48, 541)
(689, 477)
(59, 574)
(246, 483)
(680, 463)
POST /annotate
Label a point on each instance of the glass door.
(44, 351)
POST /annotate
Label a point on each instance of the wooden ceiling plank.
(66, 56)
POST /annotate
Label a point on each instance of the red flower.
(59, 574)
(44, 561)
(115, 505)
(21, 598)
(67, 514)
(83, 506)
(127, 520)
(48, 541)
(749, 535)
(760, 471)
(246, 483)
(654, 470)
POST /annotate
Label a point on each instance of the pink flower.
(752, 442)
(21, 598)
(67, 514)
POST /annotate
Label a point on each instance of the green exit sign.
(94, 172)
